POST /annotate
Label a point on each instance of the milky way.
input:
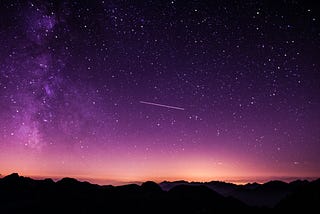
(78, 80)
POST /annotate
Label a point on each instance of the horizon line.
(234, 180)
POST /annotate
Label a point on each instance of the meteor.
(161, 105)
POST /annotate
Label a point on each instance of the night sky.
(162, 90)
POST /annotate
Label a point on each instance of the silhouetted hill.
(264, 195)
(274, 185)
(24, 195)
(167, 185)
(252, 194)
(151, 187)
(201, 198)
(20, 194)
(307, 195)
(251, 185)
(218, 186)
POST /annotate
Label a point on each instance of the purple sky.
(196, 90)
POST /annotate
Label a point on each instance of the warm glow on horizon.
(196, 169)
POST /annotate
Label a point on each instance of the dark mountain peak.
(68, 180)
(307, 197)
(275, 182)
(175, 182)
(15, 179)
(151, 186)
(48, 180)
(316, 181)
(298, 183)
(251, 185)
(13, 176)
(75, 184)
(275, 185)
(167, 185)
(129, 188)
(221, 184)
(218, 186)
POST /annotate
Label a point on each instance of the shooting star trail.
(161, 105)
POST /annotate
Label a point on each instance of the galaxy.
(125, 91)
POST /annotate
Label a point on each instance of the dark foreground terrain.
(24, 195)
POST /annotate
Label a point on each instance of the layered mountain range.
(20, 194)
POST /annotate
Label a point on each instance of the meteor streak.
(161, 105)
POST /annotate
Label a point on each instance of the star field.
(77, 79)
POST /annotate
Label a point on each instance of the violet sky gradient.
(76, 78)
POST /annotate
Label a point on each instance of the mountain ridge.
(21, 193)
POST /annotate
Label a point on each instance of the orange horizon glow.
(121, 168)
(238, 180)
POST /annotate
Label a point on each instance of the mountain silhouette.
(25, 195)
(253, 194)
(306, 195)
